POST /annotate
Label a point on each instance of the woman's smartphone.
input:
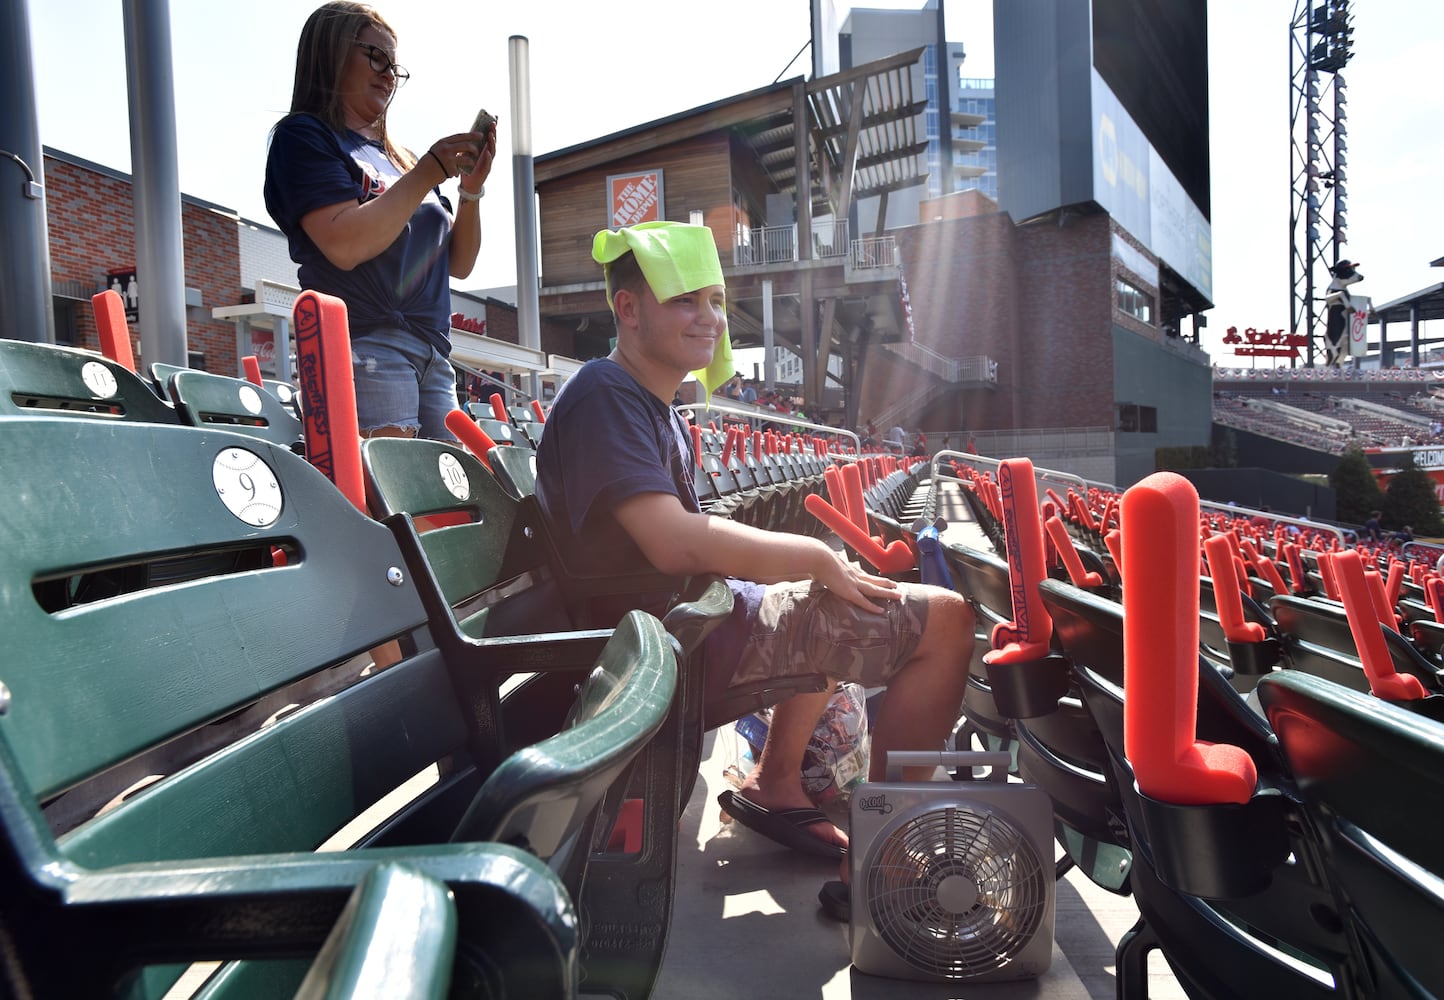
(485, 123)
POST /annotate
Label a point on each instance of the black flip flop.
(836, 900)
(784, 826)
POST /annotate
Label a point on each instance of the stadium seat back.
(68, 382)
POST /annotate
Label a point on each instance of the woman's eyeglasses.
(381, 62)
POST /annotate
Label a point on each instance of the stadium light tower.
(1320, 46)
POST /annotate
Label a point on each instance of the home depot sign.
(634, 198)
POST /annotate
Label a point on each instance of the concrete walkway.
(747, 924)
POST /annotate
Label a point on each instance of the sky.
(596, 68)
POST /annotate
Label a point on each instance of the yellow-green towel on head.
(675, 258)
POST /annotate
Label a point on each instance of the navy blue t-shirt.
(609, 439)
(407, 286)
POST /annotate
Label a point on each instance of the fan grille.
(957, 892)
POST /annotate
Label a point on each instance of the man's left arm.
(678, 542)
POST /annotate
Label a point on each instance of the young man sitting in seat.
(614, 477)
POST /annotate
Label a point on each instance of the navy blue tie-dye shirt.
(408, 285)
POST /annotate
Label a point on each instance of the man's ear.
(626, 307)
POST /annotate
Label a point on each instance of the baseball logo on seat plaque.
(453, 476)
(250, 399)
(98, 379)
(247, 486)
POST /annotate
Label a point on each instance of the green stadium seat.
(197, 712)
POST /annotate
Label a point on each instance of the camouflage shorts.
(804, 628)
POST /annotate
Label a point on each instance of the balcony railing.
(778, 245)
(766, 245)
(873, 252)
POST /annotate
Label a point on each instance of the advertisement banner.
(263, 346)
(1359, 326)
(1132, 182)
(634, 198)
(1428, 460)
(1120, 164)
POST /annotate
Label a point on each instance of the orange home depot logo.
(634, 198)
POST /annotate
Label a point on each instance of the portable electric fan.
(952, 880)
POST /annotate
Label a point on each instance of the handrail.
(778, 244)
(1047, 442)
(771, 416)
(1296, 415)
(484, 377)
(951, 368)
(886, 417)
(1041, 477)
(1327, 375)
(871, 252)
(1236, 511)
(1291, 433)
(1386, 412)
(1434, 549)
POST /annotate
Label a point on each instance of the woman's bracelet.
(444, 172)
(466, 195)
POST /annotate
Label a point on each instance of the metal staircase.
(947, 374)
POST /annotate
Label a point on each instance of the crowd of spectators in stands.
(745, 390)
(1312, 391)
(897, 441)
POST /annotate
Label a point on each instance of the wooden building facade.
(797, 276)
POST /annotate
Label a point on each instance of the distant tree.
(1411, 499)
(1225, 447)
(1179, 457)
(1356, 490)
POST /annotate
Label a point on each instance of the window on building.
(64, 321)
(1135, 301)
(1135, 419)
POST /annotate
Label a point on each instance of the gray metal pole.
(528, 305)
(1413, 334)
(159, 254)
(769, 366)
(25, 304)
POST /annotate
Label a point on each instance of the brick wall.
(1037, 299)
(90, 219)
(89, 222)
(501, 322)
(963, 285)
(1066, 322)
(1144, 282)
(213, 265)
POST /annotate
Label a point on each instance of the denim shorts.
(402, 381)
(804, 628)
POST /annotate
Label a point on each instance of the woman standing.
(366, 220)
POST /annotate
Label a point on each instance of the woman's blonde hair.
(326, 43)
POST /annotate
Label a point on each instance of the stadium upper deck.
(1331, 410)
